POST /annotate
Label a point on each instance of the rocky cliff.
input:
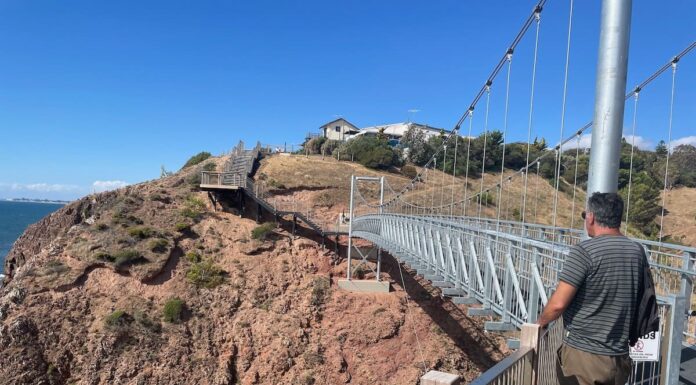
(150, 285)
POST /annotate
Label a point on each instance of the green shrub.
(158, 245)
(320, 290)
(194, 181)
(486, 199)
(193, 257)
(210, 166)
(205, 274)
(182, 227)
(262, 232)
(372, 152)
(173, 309)
(330, 146)
(196, 159)
(193, 208)
(56, 267)
(102, 226)
(124, 258)
(104, 256)
(117, 318)
(409, 171)
(313, 146)
(141, 232)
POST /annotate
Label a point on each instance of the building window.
(338, 128)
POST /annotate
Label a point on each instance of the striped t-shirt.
(607, 271)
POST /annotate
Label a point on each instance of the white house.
(339, 129)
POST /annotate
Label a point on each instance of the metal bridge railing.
(212, 178)
(535, 362)
(510, 273)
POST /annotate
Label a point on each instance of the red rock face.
(77, 309)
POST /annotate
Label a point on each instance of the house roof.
(336, 120)
(399, 129)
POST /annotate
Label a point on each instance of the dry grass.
(333, 177)
(680, 217)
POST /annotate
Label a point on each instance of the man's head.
(604, 212)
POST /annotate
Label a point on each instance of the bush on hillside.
(196, 159)
(193, 208)
(313, 146)
(117, 318)
(124, 258)
(372, 152)
(140, 232)
(262, 232)
(173, 310)
(410, 171)
(205, 274)
(329, 147)
(158, 245)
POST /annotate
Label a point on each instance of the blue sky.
(94, 94)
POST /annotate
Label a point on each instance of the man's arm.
(558, 302)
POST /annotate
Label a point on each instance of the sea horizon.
(16, 217)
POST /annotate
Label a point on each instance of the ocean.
(15, 217)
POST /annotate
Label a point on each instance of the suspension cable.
(505, 126)
(669, 147)
(496, 70)
(531, 114)
(563, 112)
(485, 143)
(536, 192)
(630, 167)
(454, 170)
(575, 181)
(468, 152)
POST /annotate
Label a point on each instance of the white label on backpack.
(647, 348)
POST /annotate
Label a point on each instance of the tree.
(684, 160)
(644, 204)
(414, 140)
(661, 149)
(372, 152)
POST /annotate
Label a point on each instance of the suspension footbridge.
(489, 237)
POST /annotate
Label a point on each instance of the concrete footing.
(434, 377)
(364, 286)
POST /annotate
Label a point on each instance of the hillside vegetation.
(150, 285)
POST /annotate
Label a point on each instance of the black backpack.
(645, 319)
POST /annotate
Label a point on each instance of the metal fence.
(511, 274)
(510, 267)
(535, 362)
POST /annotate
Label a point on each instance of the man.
(596, 294)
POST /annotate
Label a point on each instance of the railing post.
(672, 341)
(529, 338)
(349, 273)
(687, 283)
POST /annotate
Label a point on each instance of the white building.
(339, 129)
(397, 130)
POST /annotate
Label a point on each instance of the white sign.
(647, 348)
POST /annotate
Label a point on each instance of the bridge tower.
(610, 90)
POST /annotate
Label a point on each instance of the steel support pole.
(349, 273)
(381, 210)
(610, 90)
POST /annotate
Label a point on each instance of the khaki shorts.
(576, 367)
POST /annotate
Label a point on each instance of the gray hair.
(607, 209)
